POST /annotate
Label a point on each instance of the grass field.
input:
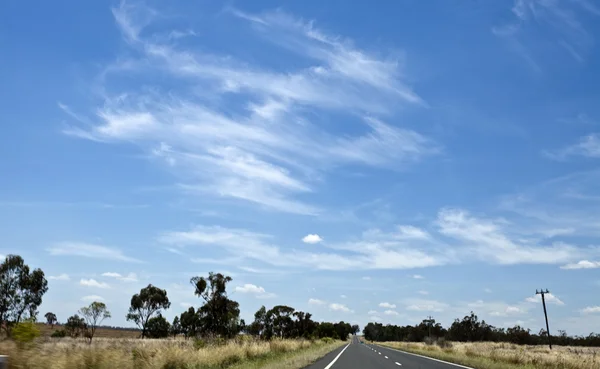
(111, 353)
(101, 332)
(491, 355)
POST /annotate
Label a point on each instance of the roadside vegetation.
(501, 355)
(209, 336)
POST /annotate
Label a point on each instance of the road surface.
(362, 356)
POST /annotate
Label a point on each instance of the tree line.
(471, 329)
(218, 316)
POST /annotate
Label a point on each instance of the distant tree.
(189, 321)
(261, 326)
(75, 326)
(150, 301)
(50, 318)
(158, 327)
(355, 329)
(304, 325)
(94, 315)
(21, 291)
(219, 315)
(281, 318)
(175, 327)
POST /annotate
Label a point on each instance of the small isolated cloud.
(372, 312)
(60, 277)
(312, 239)
(417, 276)
(339, 307)
(390, 312)
(343, 296)
(591, 310)
(366, 278)
(92, 298)
(583, 264)
(93, 283)
(131, 277)
(487, 290)
(387, 305)
(89, 251)
(423, 292)
(257, 291)
(550, 298)
(316, 302)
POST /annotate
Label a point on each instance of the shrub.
(327, 340)
(59, 333)
(25, 332)
(441, 342)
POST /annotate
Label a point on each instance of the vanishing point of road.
(362, 356)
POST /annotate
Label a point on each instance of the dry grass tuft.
(492, 355)
(107, 353)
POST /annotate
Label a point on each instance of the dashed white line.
(379, 353)
(386, 357)
(397, 363)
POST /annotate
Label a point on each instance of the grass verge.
(105, 353)
(490, 355)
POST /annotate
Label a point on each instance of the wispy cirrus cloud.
(587, 146)
(256, 134)
(60, 277)
(130, 277)
(88, 250)
(559, 23)
(583, 264)
(255, 290)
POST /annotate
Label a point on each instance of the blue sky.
(365, 163)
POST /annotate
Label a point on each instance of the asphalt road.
(362, 356)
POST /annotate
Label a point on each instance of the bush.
(59, 333)
(327, 340)
(25, 332)
(441, 342)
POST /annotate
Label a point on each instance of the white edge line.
(427, 357)
(337, 357)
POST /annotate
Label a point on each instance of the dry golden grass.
(107, 353)
(492, 355)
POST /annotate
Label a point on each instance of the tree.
(281, 316)
(75, 326)
(158, 327)
(50, 318)
(145, 304)
(21, 291)
(94, 315)
(189, 321)
(355, 329)
(219, 316)
(175, 327)
(25, 332)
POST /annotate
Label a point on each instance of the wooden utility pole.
(542, 292)
(429, 323)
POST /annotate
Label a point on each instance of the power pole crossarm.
(542, 292)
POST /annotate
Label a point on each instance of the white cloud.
(366, 278)
(487, 290)
(343, 296)
(339, 307)
(550, 298)
(588, 146)
(591, 310)
(425, 305)
(372, 312)
(131, 277)
(417, 276)
(92, 298)
(423, 292)
(252, 289)
(93, 283)
(387, 305)
(312, 238)
(316, 302)
(485, 240)
(232, 150)
(583, 264)
(89, 251)
(60, 277)
(390, 312)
